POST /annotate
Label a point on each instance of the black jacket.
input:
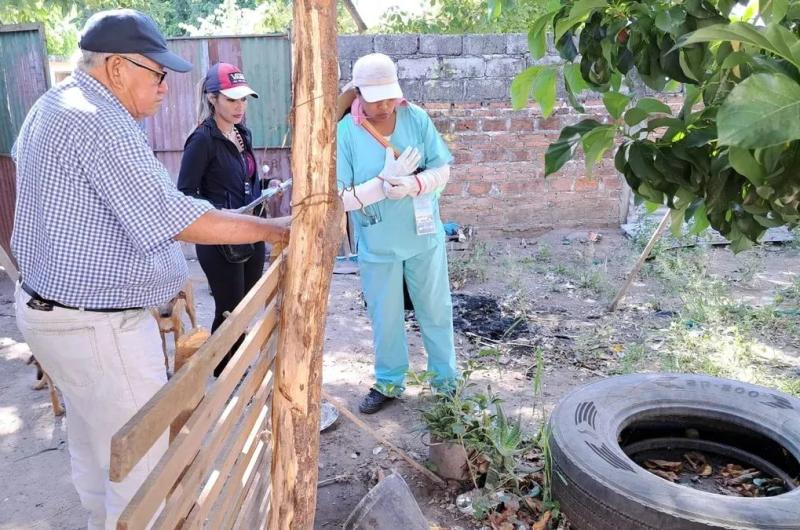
(212, 168)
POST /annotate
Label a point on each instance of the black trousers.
(229, 282)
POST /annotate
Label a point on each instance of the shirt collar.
(87, 81)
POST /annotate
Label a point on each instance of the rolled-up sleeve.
(141, 196)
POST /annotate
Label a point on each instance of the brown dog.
(170, 317)
(42, 380)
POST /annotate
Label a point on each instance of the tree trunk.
(316, 233)
(351, 8)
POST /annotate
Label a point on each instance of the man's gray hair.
(90, 59)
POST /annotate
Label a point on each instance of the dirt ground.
(558, 285)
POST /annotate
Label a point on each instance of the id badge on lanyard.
(423, 214)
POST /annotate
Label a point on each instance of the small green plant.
(632, 356)
(477, 421)
(421, 378)
(472, 266)
(543, 254)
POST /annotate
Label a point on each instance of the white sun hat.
(375, 75)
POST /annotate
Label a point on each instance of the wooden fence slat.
(240, 482)
(135, 438)
(190, 438)
(211, 490)
(187, 346)
(251, 508)
(258, 381)
(265, 508)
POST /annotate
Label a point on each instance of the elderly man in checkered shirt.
(96, 234)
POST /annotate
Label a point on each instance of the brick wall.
(497, 182)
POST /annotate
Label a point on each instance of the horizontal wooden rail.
(189, 439)
(257, 384)
(255, 422)
(139, 434)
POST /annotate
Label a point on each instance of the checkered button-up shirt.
(96, 212)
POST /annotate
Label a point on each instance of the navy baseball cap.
(129, 31)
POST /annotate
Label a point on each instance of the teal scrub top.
(386, 230)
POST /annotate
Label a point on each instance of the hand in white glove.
(405, 164)
(396, 188)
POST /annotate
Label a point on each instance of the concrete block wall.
(497, 181)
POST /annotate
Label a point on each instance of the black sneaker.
(373, 402)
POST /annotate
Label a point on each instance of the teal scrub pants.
(429, 287)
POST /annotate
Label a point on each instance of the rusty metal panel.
(265, 60)
(23, 77)
(8, 195)
(177, 117)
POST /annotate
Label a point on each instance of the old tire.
(600, 488)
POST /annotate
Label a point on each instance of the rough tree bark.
(316, 233)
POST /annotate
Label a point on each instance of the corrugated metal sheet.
(8, 196)
(267, 65)
(23, 77)
(265, 61)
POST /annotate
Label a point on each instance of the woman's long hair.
(204, 107)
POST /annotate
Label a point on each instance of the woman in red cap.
(218, 165)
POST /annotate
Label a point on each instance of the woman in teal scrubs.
(394, 206)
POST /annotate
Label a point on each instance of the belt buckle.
(38, 304)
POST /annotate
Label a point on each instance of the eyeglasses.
(161, 75)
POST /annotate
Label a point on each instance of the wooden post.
(348, 4)
(639, 262)
(315, 236)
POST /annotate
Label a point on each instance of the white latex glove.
(399, 187)
(363, 195)
(434, 179)
(405, 164)
(396, 188)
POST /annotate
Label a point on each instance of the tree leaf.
(574, 84)
(544, 90)
(595, 143)
(691, 97)
(651, 105)
(676, 221)
(701, 222)
(495, 9)
(521, 86)
(579, 11)
(773, 10)
(669, 20)
(761, 111)
(537, 35)
(635, 115)
(572, 76)
(774, 38)
(562, 150)
(745, 164)
(615, 103)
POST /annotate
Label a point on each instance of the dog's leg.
(40, 382)
(164, 349)
(58, 410)
(190, 309)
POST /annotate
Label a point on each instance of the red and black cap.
(228, 80)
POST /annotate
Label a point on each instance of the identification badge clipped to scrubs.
(423, 215)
